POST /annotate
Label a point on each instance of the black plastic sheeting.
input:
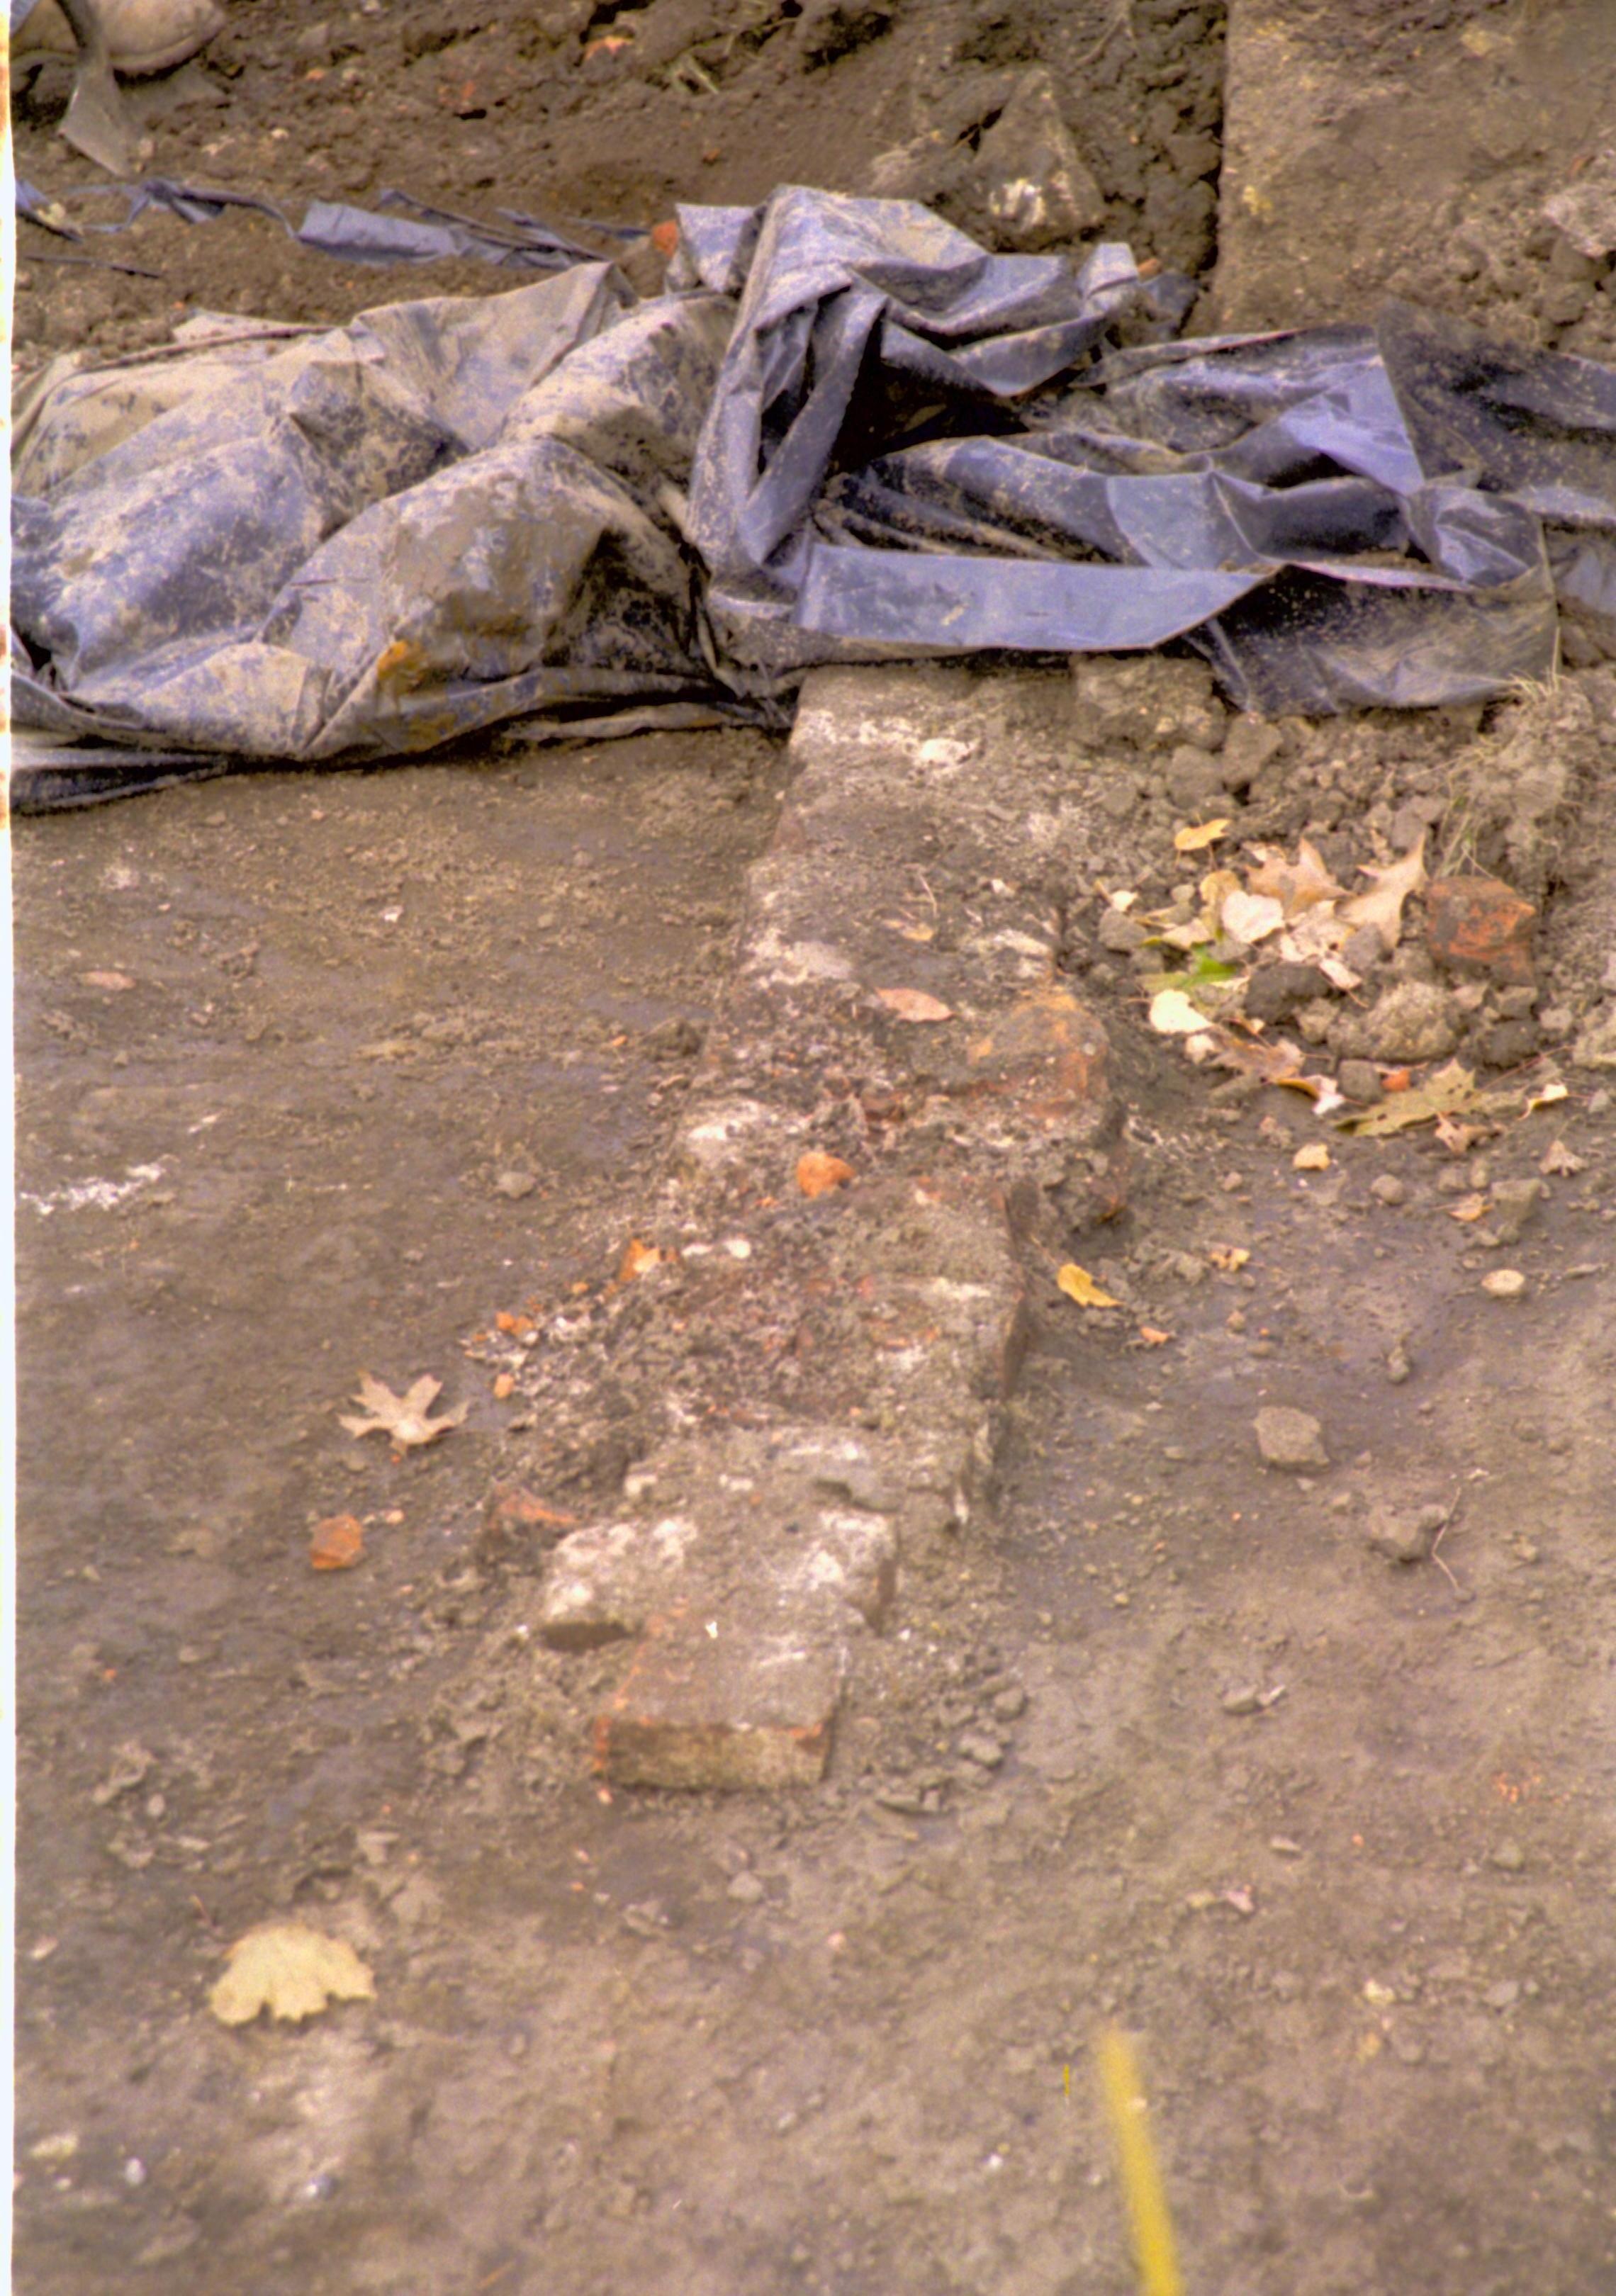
(846, 433)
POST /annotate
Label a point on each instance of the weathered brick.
(721, 1703)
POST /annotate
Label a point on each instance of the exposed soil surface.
(322, 1074)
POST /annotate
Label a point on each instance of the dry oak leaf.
(1382, 906)
(818, 1174)
(1079, 1284)
(404, 1417)
(337, 1544)
(1296, 885)
(914, 1004)
(291, 1970)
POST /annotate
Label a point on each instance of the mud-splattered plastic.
(846, 433)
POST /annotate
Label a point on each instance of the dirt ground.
(322, 1074)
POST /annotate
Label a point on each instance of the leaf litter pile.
(1280, 907)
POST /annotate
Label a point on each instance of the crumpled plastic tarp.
(847, 433)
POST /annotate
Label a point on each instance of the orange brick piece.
(746, 1706)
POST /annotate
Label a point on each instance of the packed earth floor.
(1285, 1742)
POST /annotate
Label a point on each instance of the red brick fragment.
(720, 1703)
(1477, 924)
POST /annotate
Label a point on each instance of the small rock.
(1401, 1538)
(1503, 1284)
(1276, 991)
(978, 1747)
(1515, 1203)
(1416, 1020)
(1010, 1704)
(1502, 1996)
(746, 1889)
(1506, 1044)
(1292, 1440)
(1509, 1857)
(1121, 933)
(1315, 1021)
(1399, 1369)
(1388, 1189)
(515, 1185)
(1595, 1047)
(1358, 1081)
(1364, 950)
(1248, 746)
(1248, 1701)
(1192, 778)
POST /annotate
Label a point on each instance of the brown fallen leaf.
(1314, 1157)
(1382, 906)
(1557, 1158)
(404, 1417)
(337, 1544)
(291, 1970)
(1459, 1139)
(914, 1004)
(1150, 1336)
(1296, 885)
(1227, 1259)
(818, 1173)
(1079, 1284)
(638, 1259)
(1468, 1208)
(518, 1327)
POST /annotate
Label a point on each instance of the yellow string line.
(1154, 2249)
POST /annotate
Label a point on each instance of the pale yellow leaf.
(1546, 1098)
(1314, 1157)
(1188, 936)
(1079, 1284)
(1195, 837)
(1250, 917)
(290, 1970)
(1382, 906)
(1173, 1015)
